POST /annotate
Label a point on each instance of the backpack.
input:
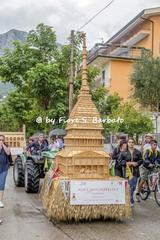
(150, 153)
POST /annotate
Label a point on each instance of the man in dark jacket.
(151, 159)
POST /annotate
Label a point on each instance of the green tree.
(105, 102)
(40, 47)
(43, 40)
(46, 86)
(135, 123)
(146, 80)
(39, 76)
(19, 104)
(39, 70)
(7, 120)
(14, 111)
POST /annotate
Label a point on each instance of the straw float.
(83, 159)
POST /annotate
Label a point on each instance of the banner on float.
(94, 192)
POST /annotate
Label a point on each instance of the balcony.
(127, 49)
(120, 52)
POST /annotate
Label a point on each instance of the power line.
(95, 15)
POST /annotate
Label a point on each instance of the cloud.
(65, 15)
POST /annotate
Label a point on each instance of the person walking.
(4, 165)
(115, 156)
(130, 160)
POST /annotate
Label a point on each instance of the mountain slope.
(6, 39)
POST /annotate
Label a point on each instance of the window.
(105, 74)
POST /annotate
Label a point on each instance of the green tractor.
(29, 169)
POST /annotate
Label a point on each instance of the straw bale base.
(58, 208)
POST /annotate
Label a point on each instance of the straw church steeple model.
(82, 159)
(83, 156)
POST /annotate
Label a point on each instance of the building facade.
(115, 58)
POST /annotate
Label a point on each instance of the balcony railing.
(118, 52)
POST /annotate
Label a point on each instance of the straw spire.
(84, 108)
(84, 85)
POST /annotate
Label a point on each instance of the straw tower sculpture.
(82, 158)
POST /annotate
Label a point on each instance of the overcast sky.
(65, 15)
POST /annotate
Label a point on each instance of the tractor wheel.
(18, 172)
(32, 177)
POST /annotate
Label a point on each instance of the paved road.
(24, 220)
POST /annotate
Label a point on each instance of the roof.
(139, 18)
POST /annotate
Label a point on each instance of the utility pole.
(72, 70)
